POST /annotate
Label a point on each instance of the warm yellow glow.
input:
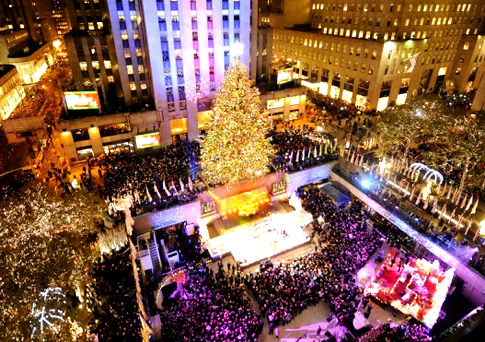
(482, 227)
(56, 43)
(426, 191)
(244, 204)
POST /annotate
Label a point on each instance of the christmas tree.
(235, 148)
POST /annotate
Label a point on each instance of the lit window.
(100, 25)
(95, 64)
(91, 26)
(141, 69)
(83, 66)
(132, 86)
(143, 86)
(129, 69)
(107, 64)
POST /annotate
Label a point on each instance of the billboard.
(78, 100)
(148, 140)
(285, 75)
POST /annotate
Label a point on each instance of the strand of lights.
(51, 295)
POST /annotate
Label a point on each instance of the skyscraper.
(378, 53)
(92, 54)
(171, 52)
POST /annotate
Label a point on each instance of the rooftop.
(5, 68)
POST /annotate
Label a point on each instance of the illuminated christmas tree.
(235, 148)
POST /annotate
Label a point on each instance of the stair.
(155, 256)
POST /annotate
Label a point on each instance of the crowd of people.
(213, 306)
(156, 181)
(161, 180)
(345, 244)
(396, 333)
(115, 307)
(298, 150)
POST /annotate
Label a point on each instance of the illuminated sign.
(77, 100)
(285, 76)
(276, 103)
(148, 140)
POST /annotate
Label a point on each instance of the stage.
(417, 287)
(275, 230)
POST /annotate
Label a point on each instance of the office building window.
(236, 22)
(160, 5)
(174, 5)
(182, 93)
(209, 5)
(209, 22)
(193, 5)
(175, 24)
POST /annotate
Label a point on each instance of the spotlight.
(365, 183)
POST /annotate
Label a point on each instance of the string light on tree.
(47, 311)
(235, 148)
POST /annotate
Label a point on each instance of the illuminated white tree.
(45, 241)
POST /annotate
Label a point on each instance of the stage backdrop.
(308, 176)
(189, 212)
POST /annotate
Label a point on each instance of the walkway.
(474, 288)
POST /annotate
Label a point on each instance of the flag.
(165, 188)
(191, 185)
(470, 201)
(442, 212)
(458, 224)
(156, 190)
(444, 190)
(453, 198)
(425, 206)
(352, 157)
(315, 152)
(449, 192)
(452, 215)
(298, 156)
(412, 194)
(326, 148)
(476, 234)
(418, 200)
(470, 222)
(412, 62)
(321, 150)
(148, 194)
(303, 155)
(435, 206)
(464, 201)
(172, 186)
(474, 209)
(361, 161)
(439, 189)
(182, 188)
(458, 197)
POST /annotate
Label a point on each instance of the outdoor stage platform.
(277, 229)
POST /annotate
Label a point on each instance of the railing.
(415, 222)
